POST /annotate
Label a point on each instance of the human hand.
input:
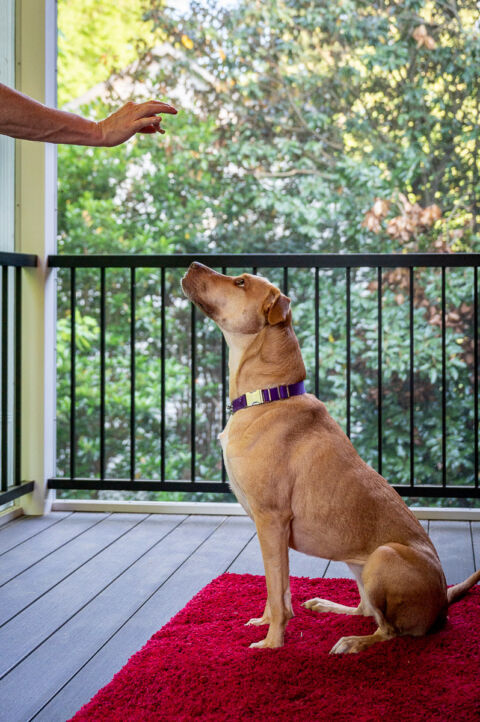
(132, 118)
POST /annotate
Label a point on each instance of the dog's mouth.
(184, 284)
(190, 289)
(189, 284)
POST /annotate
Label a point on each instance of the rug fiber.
(199, 666)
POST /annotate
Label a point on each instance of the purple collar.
(265, 396)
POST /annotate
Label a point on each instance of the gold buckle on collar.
(254, 397)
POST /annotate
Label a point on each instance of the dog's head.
(238, 304)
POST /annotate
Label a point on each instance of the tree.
(94, 40)
(310, 127)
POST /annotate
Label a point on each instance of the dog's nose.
(197, 266)
(194, 266)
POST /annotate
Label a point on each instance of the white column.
(7, 186)
(7, 145)
(35, 232)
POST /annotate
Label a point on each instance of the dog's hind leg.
(273, 534)
(349, 645)
(406, 591)
(325, 605)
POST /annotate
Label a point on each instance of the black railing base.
(16, 491)
(219, 487)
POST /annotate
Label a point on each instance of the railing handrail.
(268, 260)
(18, 260)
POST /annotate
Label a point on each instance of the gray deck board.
(250, 559)
(302, 565)
(32, 583)
(338, 570)
(23, 528)
(475, 525)
(206, 563)
(25, 555)
(75, 642)
(68, 597)
(453, 541)
(96, 588)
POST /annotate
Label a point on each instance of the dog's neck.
(268, 358)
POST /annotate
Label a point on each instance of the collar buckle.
(254, 398)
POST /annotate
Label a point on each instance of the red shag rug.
(199, 666)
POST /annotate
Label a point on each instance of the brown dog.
(298, 476)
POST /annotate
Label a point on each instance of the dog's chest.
(234, 481)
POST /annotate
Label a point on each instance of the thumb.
(143, 123)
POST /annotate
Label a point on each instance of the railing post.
(36, 233)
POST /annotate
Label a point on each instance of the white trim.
(428, 513)
(9, 514)
(50, 275)
(7, 145)
(36, 233)
(149, 507)
(225, 509)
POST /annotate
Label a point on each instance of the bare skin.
(25, 118)
(300, 479)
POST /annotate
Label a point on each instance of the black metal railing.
(316, 265)
(11, 484)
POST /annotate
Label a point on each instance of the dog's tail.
(455, 593)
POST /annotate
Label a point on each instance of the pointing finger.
(155, 106)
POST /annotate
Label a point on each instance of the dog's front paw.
(266, 644)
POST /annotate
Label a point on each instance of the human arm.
(23, 117)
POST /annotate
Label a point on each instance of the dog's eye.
(239, 282)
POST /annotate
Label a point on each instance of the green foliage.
(94, 39)
(297, 117)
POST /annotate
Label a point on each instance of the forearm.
(23, 117)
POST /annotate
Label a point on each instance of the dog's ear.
(278, 310)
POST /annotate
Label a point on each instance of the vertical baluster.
(73, 442)
(102, 373)
(18, 377)
(475, 372)
(317, 333)
(412, 382)
(444, 384)
(4, 381)
(348, 331)
(162, 375)
(132, 371)
(379, 369)
(224, 387)
(193, 424)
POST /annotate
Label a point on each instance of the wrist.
(98, 134)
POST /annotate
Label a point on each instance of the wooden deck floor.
(81, 592)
